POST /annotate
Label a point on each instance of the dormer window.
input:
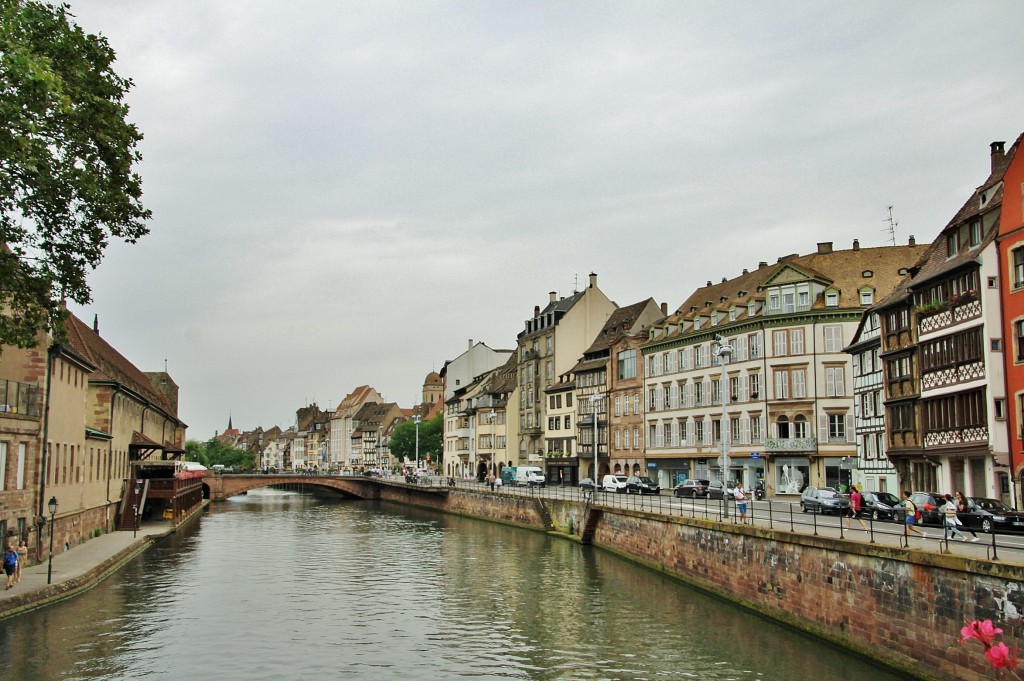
(903, 271)
(831, 298)
(696, 323)
(774, 301)
(867, 296)
(867, 274)
(742, 294)
(732, 314)
(952, 244)
(975, 233)
(751, 309)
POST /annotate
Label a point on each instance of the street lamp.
(594, 399)
(135, 527)
(416, 420)
(53, 511)
(723, 352)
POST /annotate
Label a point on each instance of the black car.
(716, 490)
(692, 488)
(636, 484)
(879, 505)
(991, 515)
(823, 500)
(587, 485)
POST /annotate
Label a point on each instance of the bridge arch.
(220, 487)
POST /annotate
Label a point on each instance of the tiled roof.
(112, 365)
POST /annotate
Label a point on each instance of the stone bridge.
(221, 487)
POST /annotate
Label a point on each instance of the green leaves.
(66, 158)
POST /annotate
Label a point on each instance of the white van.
(614, 483)
(530, 475)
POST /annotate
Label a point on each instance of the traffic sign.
(755, 455)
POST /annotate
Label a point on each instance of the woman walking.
(962, 507)
(952, 522)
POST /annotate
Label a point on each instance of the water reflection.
(277, 585)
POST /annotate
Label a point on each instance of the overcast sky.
(344, 193)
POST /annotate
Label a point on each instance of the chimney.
(745, 271)
(824, 247)
(856, 244)
(912, 241)
(552, 296)
(536, 311)
(709, 282)
(470, 344)
(96, 324)
(725, 279)
(761, 264)
(593, 280)
(664, 309)
(998, 152)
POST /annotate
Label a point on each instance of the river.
(279, 585)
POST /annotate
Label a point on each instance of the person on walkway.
(10, 564)
(741, 502)
(22, 559)
(490, 481)
(856, 505)
(497, 484)
(911, 516)
(948, 510)
(962, 507)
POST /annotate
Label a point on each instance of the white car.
(614, 483)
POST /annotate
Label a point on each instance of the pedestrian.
(952, 523)
(741, 502)
(22, 559)
(911, 515)
(490, 481)
(856, 504)
(963, 507)
(10, 564)
(497, 484)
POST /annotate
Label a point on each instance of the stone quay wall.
(901, 607)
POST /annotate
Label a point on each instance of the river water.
(279, 585)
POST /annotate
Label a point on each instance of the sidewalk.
(77, 569)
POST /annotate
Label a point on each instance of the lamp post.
(135, 508)
(594, 399)
(723, 352)
(416, 420)
(53, 511)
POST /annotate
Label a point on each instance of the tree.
(66, 157)
(402, 442)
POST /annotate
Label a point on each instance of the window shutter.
(823, 428)
(745, 431)
(851, 429)
(744, 394)
(840, 373)
(708, 431)
(689, 433)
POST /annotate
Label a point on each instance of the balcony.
(938, 316)
(790, 444)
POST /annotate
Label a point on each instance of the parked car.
(716, 490)
(991, 515)
(614, 483)
(927, 503)
(692, 488)
(587, 485)
(641, 484)
(879, 505)
(823, 500)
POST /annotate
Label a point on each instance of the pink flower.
(983, 631)
(1001, 657)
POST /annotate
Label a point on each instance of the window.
(636, 403)
(803, 300)
(774, 301)
(833, 338)
(3, 466)
(755, 346)
(788, 302)
(975, 233)
(625, 439)
(867, 296)
(952, 244)
(779, 343)
(627, 364)
(755, 428)
(799, 377)
(796, 342)
(568, 399)
(781, 385)
(698, 431)
(999, 408)
(834, 382)
(755, 386)
(618, 405)
(836, 427)
(1018, 338)
(568, 422)
(800, 428)
(831, 299)
(698, 394)
(1018, 267)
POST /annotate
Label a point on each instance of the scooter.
(759, 492)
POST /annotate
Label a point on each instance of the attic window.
(741, 294)
(867, 274)
(867, 295)
(722, 299)
(903, 270)
(831, 299)
(696, 323)
(732, 314)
